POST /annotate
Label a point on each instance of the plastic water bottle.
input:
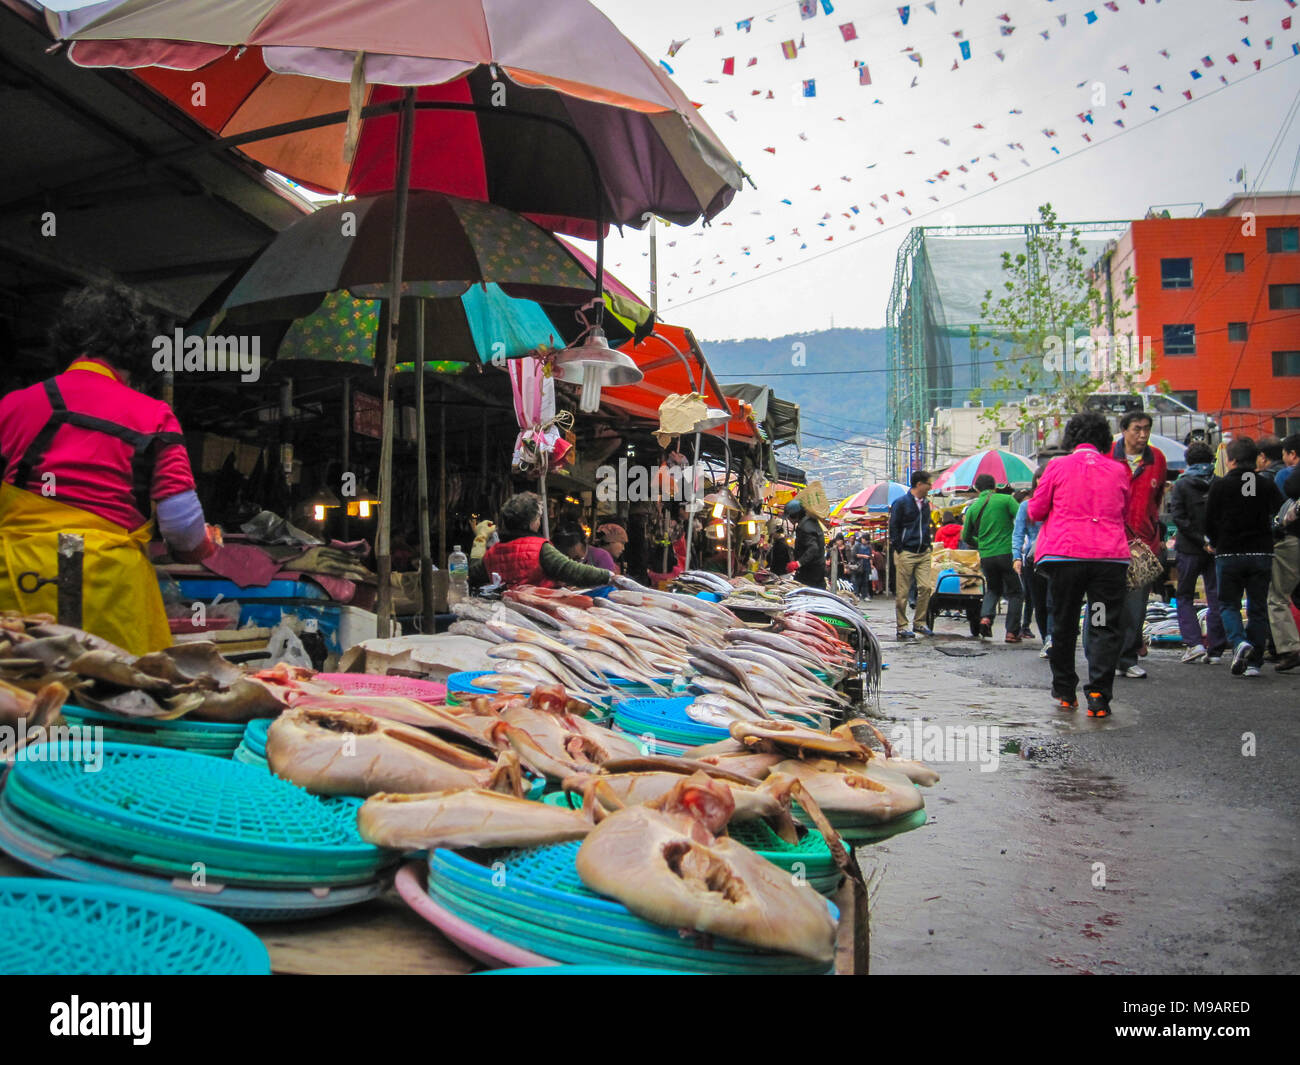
(457, 576)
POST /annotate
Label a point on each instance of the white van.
(1169, 417)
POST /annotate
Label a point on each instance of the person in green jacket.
(988, 527)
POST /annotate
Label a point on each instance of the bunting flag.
(789, 49)
(729, 65)
(676, 47)
(665, 66)
(1061, 19)
(848, 32)
(930, 5)
(827, 7)
(1110, 5)
(1001, 55)
(965, 49)
(1286, 23)
(717, 31)
(864, 75)
(746, 24)
(1195, 74)
(1206, 61)
(1044, 34)
(810, 87)
(1007, 31)
(752, 60)
(807, 8)
(905, 13)
(1090, 17)
(954, 65)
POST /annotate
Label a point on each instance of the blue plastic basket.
(55, 926)
(27, 844)
(183, 807)
(667, 717)
(464, 682)
(535, 898)
(254, 736)
(198, 737)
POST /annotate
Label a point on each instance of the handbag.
(1143, 566)
(1286, 519)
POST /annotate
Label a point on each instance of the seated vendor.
(524, 557)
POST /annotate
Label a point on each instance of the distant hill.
(832, 403)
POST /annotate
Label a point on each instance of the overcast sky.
(1187, 151)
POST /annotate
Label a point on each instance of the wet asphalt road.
(1148, 843)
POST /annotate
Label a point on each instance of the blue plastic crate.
(208, 588)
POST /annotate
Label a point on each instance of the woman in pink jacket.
(1082, 498)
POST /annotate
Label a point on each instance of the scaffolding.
(941, 274)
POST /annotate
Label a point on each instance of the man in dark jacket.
(910, 538)
(1187, 512)
(1239, 511)
(809, 562)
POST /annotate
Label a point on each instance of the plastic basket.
(666, 719)
(373, 684)
(24, 842)
(55, 926)
(185, 808)
(255, 733)
(542, 905)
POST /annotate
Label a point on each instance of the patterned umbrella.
(1006, 467)
(877, 498)
(523, 79)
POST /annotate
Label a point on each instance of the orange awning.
(666, 375)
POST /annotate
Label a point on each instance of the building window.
(1175, 273)
(1286, 364)
(1234, 262)
(1236, 330)
(1180, 339)
(1240, 397)
(1283, 238)
(1284, 427)
(1283, 297)
(1187, 399)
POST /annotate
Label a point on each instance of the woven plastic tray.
(24, 842)
(463, 683)
(180, 806)
(180, 725)
(249, 757)
(255, 735)
(540, 897)
(374, 684)
(666, 717)
(55, 926)
(860, 834)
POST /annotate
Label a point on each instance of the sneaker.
(1098, 704)
(1196, 654)
(1134, 673)
(905, 634)
(923, 630)
(986, 628)
(1251, 671)
(1240, 658)
(1014, 637)
(1047, 648)
(1288, 661)
(1062, 703)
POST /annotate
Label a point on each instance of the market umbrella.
(877, 497)
(1174, 452)
(1006, 467)
(655, 145)
(520, 77)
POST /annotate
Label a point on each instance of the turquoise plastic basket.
(254, 737)
(181, 808)
(54, 926)
(583, 970)
(25, 842)
(200, 737)
(463, 684)
(666, 720)
(534, 898)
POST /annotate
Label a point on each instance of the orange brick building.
(1219, 297)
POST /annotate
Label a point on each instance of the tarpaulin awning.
(779, 417)
(666, 374)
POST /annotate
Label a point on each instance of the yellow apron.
(120, 599)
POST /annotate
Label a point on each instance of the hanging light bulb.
(593, 364)
(720, 530)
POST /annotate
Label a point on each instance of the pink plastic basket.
(374, 684)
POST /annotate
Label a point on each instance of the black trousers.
(1104, 584)
(1001, 580)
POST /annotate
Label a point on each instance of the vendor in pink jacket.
(1082, 499)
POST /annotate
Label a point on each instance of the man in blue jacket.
(910, 538)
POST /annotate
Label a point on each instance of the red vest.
(518, 561)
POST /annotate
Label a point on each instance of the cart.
(958, 586)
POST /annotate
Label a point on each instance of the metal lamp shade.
(594, 364)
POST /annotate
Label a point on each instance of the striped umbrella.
(876, 497)
(1006, 467)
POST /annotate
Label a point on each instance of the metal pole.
(384, 535)
(346, 432)
(654, 267)
(546, 508)
(422, 475)
(690, 504)
(726, 483)
(442, 472)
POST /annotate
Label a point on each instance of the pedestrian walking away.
(1081, 500)
(990, 522)
(1023, 538)
(1239, 510)
(1195, 563)
(910, 538)
(1285, 574)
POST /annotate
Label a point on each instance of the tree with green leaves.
(1040, 326)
